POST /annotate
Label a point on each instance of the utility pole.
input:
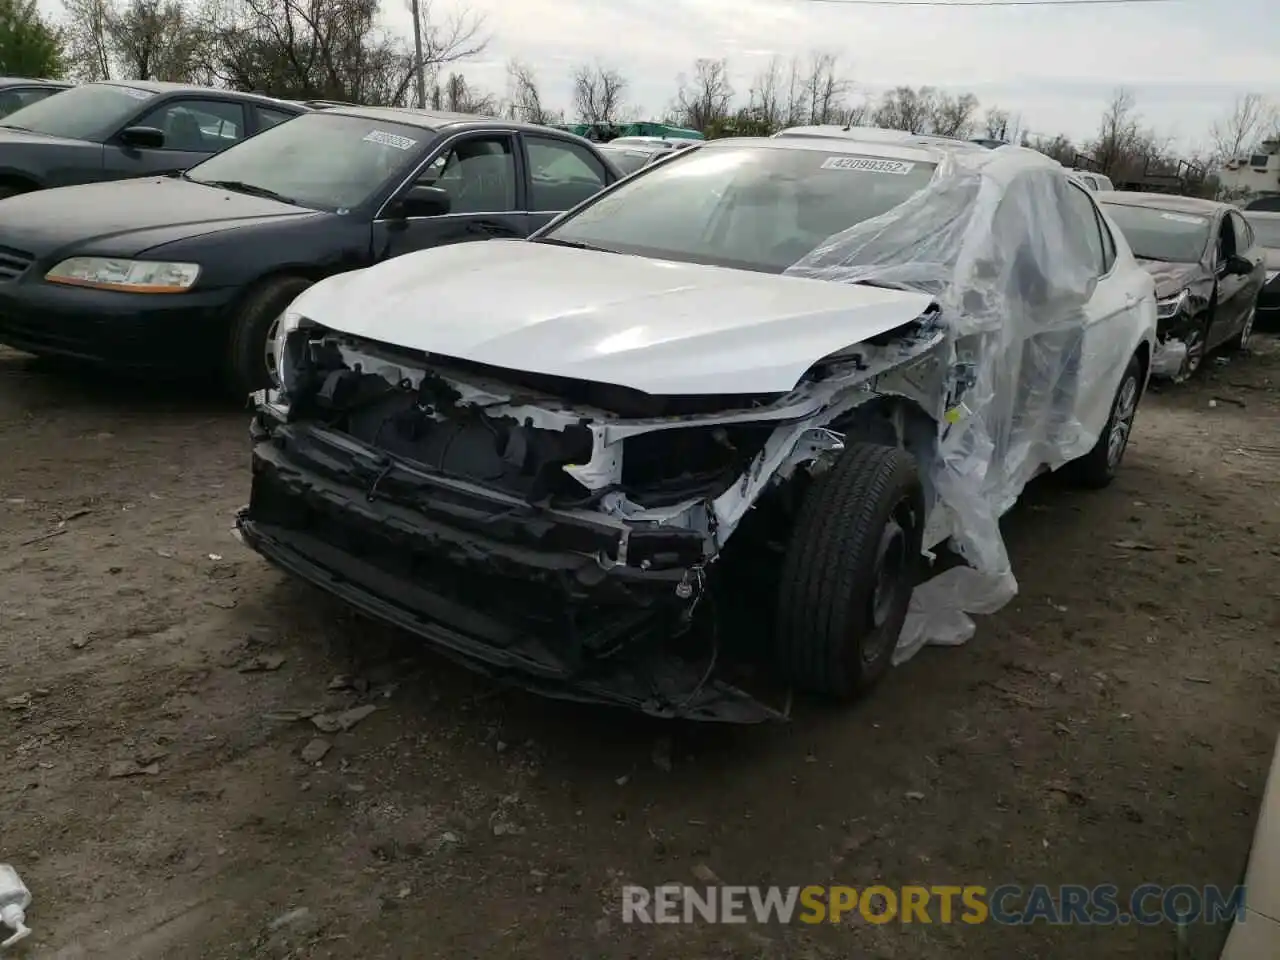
(418, 66)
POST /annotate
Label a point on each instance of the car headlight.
(282, 370)
(131, 276)
(1170, 307)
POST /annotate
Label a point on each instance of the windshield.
(319, 160)
(1162, 234)
(627, 161)
(1266, 230)
(753, 207)
(92, 111)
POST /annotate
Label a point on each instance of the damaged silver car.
(755, 384)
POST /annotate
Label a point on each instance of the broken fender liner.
(660, 686)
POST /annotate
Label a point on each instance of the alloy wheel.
(1122, 421)
(1247, 330)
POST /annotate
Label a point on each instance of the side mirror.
(1238, 266)
(420, 201)
(142, 136)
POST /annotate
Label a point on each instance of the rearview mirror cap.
(143, 136)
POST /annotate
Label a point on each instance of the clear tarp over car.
(996, 241)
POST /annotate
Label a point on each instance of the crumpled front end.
(559, 534)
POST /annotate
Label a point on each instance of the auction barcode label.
(867, 164)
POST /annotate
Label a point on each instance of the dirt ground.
(1114, 724)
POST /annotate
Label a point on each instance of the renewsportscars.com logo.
(1069, 904)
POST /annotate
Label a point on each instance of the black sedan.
(1208, 267)
(19, 92)
(110, 131)
(1266, 227)
(188, 273)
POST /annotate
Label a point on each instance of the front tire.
(1241, 340)
(850, 566)
(1097, 468)
(1197, 352)
(249, 366)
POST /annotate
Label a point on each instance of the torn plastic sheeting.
(997, 241)
(1169, 358)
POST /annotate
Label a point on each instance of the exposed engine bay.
(693, 462)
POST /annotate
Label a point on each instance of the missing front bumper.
(545, 618)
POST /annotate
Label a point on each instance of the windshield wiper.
(575, 244)
(239, 186)
(14, 126)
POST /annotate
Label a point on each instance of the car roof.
(616, 147)
(160, 86)
(879, 135)
(1161, 201)
(1264, 215)
(649, 140)
(33, 82)
(322, 104)
(844, 144)
(436, 120)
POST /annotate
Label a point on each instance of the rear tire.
(1097, 468)
(248, 368)
(850, 566)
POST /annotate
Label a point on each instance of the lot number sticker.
(389, 139)
(1183, 218)
(868, 165)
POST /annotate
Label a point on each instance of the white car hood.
(651, 325)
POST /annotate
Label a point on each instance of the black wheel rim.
(892, 583)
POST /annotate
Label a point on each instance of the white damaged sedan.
(755, 384)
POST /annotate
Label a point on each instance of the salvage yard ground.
(1114, 724)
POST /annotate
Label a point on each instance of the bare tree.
(953, 116)
(598, 93)
(1118, 133)
(87, 29)
(1060, 148)
(1238, 133)
(825, 89)
(154, 40)
(796, 103)
(766, 99)
(524, 101)
(1000, 124)
(703, 99)
(907, 108)
(458, 96)
(449, 38)
(811, 91)
(859, 113)
(328, 49)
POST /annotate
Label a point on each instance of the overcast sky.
(1186, 60)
